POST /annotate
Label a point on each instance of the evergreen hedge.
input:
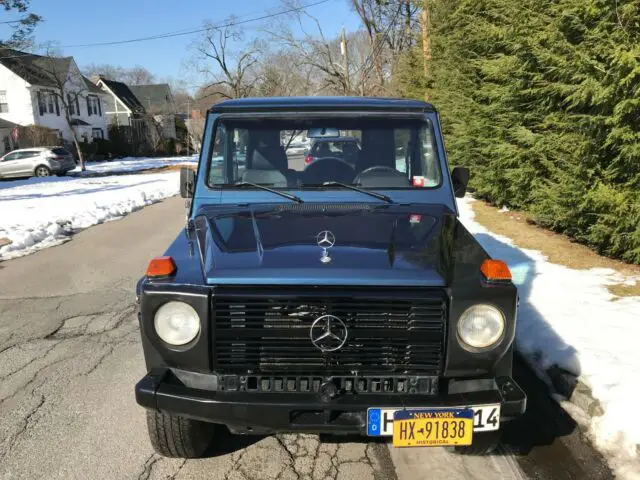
(541, 100)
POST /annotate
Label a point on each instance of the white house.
(157, 100)
(32, 88)
(122, 107)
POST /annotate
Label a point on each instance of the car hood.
(391, 245)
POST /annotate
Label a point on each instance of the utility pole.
(187, 124)
(426, 42)
(345, 61)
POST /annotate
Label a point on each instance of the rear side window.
(29, 154)
(60, 151)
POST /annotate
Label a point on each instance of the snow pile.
(42, 212)
(568, 318)
(133, 164)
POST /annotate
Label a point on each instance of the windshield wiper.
(290, 196)
(377, 195)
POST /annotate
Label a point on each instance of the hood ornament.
(328, 333)
(325, 240)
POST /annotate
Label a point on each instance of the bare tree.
(195, 128)
(131, 76)
(137, 76)
(314, 51)
(21, 28)
(391, 26)
(228, 70)
(68, 88)
(280, 74)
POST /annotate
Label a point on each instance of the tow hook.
(327, 391)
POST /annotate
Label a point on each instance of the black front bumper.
(306, 412)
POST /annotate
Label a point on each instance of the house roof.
(7, 124)
(78, 122)
(124, 93)
(156, 98)
(36, 69)
(92, 87)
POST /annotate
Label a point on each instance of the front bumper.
(301, 412)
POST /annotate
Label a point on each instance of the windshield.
(296, 154)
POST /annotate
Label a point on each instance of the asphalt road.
(69, 358)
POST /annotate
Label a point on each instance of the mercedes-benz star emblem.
(325, 240)
(328, 333)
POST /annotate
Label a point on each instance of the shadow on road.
(226, 443)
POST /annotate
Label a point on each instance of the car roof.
(239, 105)
(42, 149)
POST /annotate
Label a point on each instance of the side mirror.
(460, 179)
(187, 182)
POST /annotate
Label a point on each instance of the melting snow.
(41, 212)
(568, 318)
(133, 164)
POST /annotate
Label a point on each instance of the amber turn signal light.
(161, 267)
(495, 270)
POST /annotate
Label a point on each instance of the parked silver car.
(37, 161)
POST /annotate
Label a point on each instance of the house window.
(93, 105)
(71, 104)
(4, 106)
(48, 102)
(97, 133)
(42, 107)
(50, 99)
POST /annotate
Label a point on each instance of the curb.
(575, 391)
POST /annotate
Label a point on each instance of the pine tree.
(541, 100)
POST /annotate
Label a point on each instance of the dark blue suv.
(334, 297)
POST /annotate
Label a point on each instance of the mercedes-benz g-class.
(329, 297)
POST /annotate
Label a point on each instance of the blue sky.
(72, 22)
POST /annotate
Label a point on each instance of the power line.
(198, 30)
(187, 32)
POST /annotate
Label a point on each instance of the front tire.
(174, 436)
(42, 171)
(483, 444)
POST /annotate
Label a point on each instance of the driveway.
(69, 358)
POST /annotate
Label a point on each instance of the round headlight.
(481, 326)
(177, 323)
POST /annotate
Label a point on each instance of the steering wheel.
(328, 169)
(378, 168)
(380, 176)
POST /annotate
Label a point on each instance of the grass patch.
(558, 248)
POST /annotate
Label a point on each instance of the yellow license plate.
(432, 428)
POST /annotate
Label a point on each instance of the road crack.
(177, 472)
(148, 466)
(292, 458)
(26, 424)
(236, 465)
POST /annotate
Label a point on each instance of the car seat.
(267, 160)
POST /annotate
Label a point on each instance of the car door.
(28, 162)
(10, 165)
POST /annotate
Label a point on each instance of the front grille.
(269, 331)
(406, 385)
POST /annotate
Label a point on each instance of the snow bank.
(568, 318)
(133, 164)
(41, 212)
